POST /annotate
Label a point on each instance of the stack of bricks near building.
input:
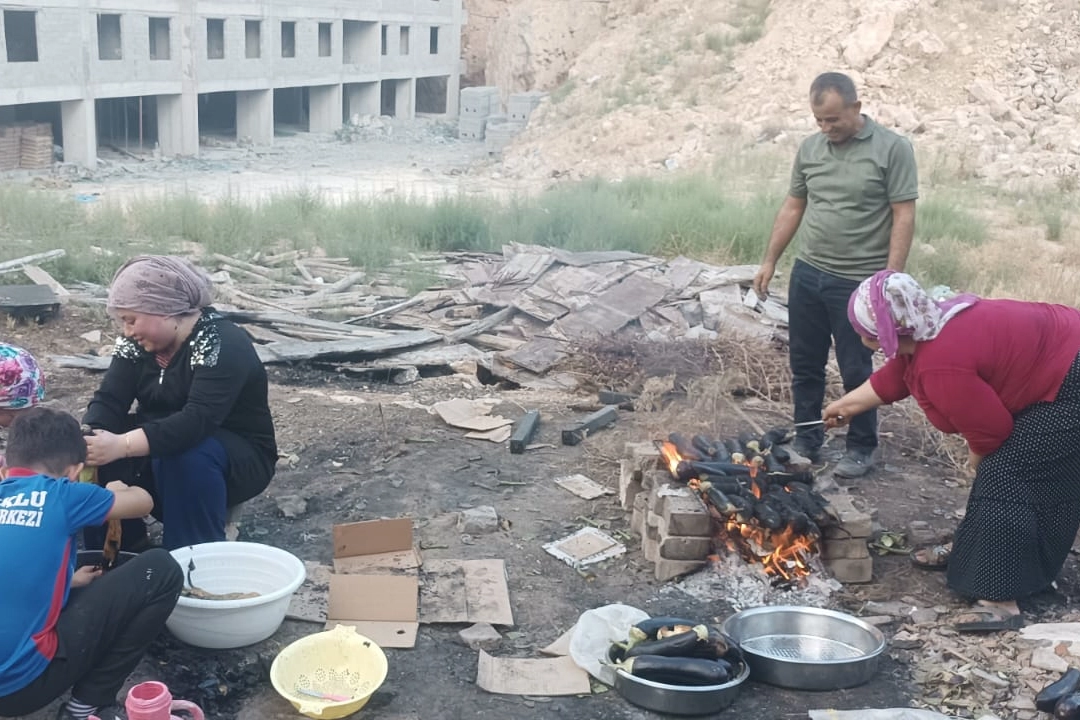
(36, 146)
(518, 110)
(844, 545)
(9, 147)
(676, 529)
(673, 524)
(477, 105)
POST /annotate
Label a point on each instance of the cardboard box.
(376, 586)
(363, 591)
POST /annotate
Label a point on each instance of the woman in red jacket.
(1005, 375)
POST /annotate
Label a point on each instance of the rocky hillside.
(990, 87)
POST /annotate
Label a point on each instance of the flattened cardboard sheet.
(544, 677)
(382, 607)
(465, 591)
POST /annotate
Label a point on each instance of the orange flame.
(782, 554)
(670, 455)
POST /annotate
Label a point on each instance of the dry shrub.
(700, 386)
(624, 362)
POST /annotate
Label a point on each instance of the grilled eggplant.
(685, 448)
(1067, 684)
(684, 644)
(704, 445)
(647, 629)
(1068, 707)
(676, 670)
(767, 516)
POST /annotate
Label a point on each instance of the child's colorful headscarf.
(22, 384)
(889, 305)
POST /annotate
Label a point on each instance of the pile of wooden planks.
(511, 316)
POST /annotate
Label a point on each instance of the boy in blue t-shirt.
(64, 627)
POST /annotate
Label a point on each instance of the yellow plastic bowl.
(337, 662)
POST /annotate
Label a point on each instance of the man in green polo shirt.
(852, 203)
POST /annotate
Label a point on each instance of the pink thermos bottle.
(153, 701)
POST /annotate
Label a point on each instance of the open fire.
(761, 510)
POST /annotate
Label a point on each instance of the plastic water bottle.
(153, 701)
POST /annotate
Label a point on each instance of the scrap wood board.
(459, 591)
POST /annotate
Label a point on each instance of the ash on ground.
(743, 586)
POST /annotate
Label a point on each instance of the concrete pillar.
(255, 116)
(405, 99)
(79, 132)
(178, 124)
(362, 98)
(324, 103)
(453, 94)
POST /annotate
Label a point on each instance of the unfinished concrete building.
(144, 74)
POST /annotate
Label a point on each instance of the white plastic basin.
(235, 567)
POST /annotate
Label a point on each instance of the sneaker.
(856, 463)
(109, 712)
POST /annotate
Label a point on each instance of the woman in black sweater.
(201, 439)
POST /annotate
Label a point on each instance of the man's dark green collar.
(867, 129)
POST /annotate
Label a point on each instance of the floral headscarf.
(22, 384)
(891, 304)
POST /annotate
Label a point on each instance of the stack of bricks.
(674, 526)
(500, 132)
(521, 105)
(477, 105)
(36, 147)
(9, 147)
(844, 548)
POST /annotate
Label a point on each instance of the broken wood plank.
(18, 263)
(387, 310)
(594, 257)
(41, 277)
(304, 273)
(496, 342)
(249, 268)
(290, 318)
(537, 355)
(599, 419)
(524, 429)
(612, 309)
(481, 326)
(294, 350)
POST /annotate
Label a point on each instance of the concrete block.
(676, 547)
(478, 520)
(471, 128)
(479, 101)
(666, 569)
(853, 523)
(480, 636)
(637, 518)
(629, 483)
(848, 570)
(637, 450)
(652, 520)
(686, 517)
(652, 478)
(851, 549)
(650, 544)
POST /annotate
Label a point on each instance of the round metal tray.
(806, 648)
(678, 699)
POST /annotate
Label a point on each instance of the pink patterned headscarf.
(889, 305)
(22, 384)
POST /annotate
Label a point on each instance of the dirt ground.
(366, 451)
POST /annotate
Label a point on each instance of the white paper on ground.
(884, 714)
(1058, 632)
(594, 632)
